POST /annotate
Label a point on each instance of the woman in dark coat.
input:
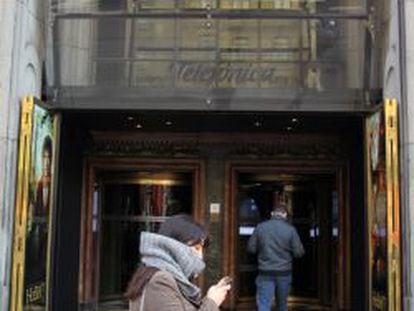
(171, 259)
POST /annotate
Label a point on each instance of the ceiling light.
(289, 128)
(138, 126)
(295, 120)
(168, 123)
(257, 124)
(130, 118)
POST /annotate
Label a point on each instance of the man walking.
(276, 243)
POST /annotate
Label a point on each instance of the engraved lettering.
(230, 73)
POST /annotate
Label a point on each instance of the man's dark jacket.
(276, 243)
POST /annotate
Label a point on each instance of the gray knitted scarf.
(174, 257)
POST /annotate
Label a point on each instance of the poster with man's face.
(39, 206)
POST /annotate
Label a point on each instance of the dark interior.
(134, 202)
(75, 133)
(176, 121)
(313, 210)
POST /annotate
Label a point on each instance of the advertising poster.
(378, 212)
(38, 210)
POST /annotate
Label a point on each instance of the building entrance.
(125, 197)
(138, 196)
(312, 203)
(214, 167)
(316, 197)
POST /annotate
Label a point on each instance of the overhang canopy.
(297, 55)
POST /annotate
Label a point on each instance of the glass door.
(310, 201)
(131, 203)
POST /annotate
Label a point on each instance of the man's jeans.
(265, 292)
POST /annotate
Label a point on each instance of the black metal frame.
(213, 14)
(116, 98)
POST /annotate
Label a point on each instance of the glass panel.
(336, 6)
(315, 55)
(154, 33)
(308, 212)
(152, 73)
(132, 203)
(305, 219)
(236, 35)
(288, 43)
(197, 34)
(234, 4)
(155, 4)
(120, 240)
(167, 51)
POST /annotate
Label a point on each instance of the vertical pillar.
(8, 143)
(399, 84)
(22, 46)
(407, 150)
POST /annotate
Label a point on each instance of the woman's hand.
(218, 292)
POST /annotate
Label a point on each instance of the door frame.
(89, 258)
(340, 169)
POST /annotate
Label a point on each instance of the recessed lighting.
(130, 118)
(168, 123)
(257, 123)
(138, 126)
(295, 120)
(289, 128)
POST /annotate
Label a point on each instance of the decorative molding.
(234, 145)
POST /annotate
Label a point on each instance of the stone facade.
(22, 52)
(23, 33)
(407, 147)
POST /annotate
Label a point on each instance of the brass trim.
(393, 204)
(22, 196)
(93, 167)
